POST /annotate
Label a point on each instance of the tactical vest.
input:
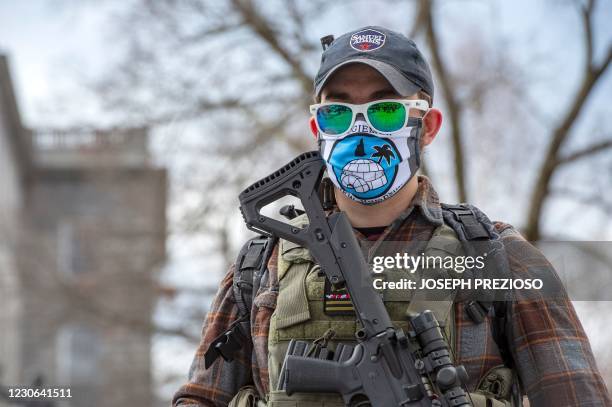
(301, 284)
(300, 314)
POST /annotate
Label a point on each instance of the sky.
(53, 50)
(57, 46)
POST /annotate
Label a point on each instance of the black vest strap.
(247, 265)
(471, 224)
(226, 344)
(250, 266)
(466, 219)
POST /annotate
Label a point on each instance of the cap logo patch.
(367, 40)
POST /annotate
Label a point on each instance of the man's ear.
(313, 128)
(432, 121)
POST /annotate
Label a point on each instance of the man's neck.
(382, 214)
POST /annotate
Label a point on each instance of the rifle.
(385, 368)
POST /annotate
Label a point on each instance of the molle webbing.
(295, 309)
(293, 286)
(299, 312)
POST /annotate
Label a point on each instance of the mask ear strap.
(326, 188)
(415, 122)
(418, 127)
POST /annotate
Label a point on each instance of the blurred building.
(82, 236)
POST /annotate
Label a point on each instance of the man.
(372, 123)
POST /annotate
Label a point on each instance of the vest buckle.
(476, 311)
(225, 345)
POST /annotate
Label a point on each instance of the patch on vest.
(337, 301)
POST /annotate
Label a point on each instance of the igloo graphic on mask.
(364, 165)
(363, 175)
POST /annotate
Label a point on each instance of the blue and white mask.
(369, 166)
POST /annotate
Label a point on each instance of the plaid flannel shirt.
(549, 347)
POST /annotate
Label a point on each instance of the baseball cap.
(392, 54)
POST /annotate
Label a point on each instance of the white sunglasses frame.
(419, 104)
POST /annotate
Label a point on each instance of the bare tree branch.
(265, 30)
(586, 14)
(452, 102)
(596, 200)
(586, 152)
(592, 74)
(419, 20)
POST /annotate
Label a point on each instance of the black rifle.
(385, 368)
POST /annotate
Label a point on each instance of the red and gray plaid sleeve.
(550, 348)
(217, 385)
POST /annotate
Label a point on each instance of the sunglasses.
(335, 119)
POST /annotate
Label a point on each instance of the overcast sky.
(57, 45)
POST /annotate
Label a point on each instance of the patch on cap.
(367, 40)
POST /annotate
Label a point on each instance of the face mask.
(369, 166)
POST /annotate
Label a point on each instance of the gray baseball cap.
(392, 54)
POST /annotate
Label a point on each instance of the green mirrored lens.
(334, 119)
(387, 116)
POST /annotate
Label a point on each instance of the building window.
(70, 253)
(79, 361)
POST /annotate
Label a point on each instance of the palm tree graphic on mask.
(383, 152)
